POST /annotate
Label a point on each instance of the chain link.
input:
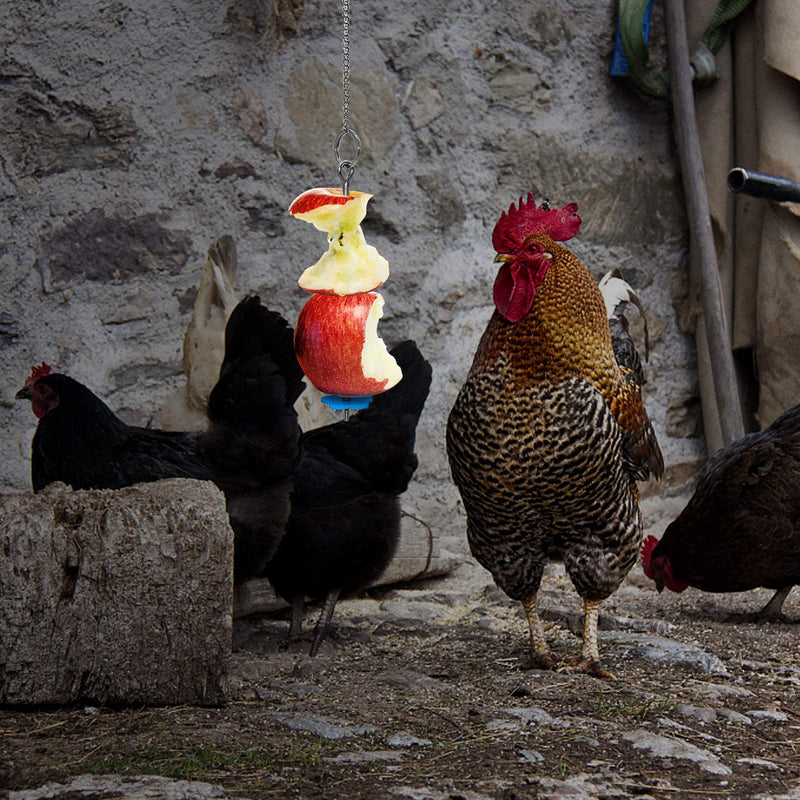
(346, 166)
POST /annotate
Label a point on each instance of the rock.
(535, 716)
(366, 757)
(704, 714)
(667, 747)
(734, 716)
(322, 726)
(775, 716)
(660, 650)
(426, 793)
(762, 763)
(404, 739)
(124, 787)
(9, 330)
(423, 103)
(531, 756)
(100, 247)
(115, 597)
(715, 691)
(312, 100)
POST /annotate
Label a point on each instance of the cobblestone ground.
(423, 693)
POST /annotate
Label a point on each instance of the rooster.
(249, 449)
(345, 520)
(741, 528)
(548, 435)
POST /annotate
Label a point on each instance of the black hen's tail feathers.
(253, 422)
(378, 442)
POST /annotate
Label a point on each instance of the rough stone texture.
(145, 787)
(115, 597)
(163, 124)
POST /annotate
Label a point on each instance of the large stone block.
(115, 597)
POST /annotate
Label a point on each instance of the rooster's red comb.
(37, 372)
(515, 224)
(647, 552)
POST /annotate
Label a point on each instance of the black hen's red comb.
(38, 372)
(516, 224)
(648, 546)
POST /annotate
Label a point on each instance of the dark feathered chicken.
(741, 529)
(345, 519)
(548, 434)
(249, 449)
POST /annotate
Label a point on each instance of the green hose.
(631, 14)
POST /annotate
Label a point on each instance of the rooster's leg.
(590, 655)
(321, 631)
(296, 624)
(540, 652)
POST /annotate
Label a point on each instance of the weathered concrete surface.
(133, 135)
(115, 597)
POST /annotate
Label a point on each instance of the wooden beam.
(694, 187)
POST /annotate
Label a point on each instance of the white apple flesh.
(337, 344)
(350, 265)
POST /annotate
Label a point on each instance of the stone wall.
(133, 134)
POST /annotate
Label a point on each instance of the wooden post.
(694, 187)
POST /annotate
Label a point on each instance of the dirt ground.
(423, 693)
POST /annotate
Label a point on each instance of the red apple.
(350, 265)
(337, 344)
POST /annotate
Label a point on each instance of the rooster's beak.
(25, 393)
(503, 257)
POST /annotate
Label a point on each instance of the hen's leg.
(540, 652)
(296, 624)
(324, 621)
(590, 655)
(772, 610)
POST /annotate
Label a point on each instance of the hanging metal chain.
(346, 166)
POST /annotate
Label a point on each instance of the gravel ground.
(423, 693)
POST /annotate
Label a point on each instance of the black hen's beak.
(659, 585)
(25, 393)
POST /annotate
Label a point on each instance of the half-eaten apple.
(337, 344)
(350, 265)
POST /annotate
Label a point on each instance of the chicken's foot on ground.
(589, 661)
(324, 621)
(541, 656)
(770, 613)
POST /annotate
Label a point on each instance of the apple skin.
(325, 208)
(337, 344)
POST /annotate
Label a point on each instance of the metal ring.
(357, 142)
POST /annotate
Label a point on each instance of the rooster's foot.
(588, 666)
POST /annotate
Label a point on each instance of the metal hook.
(347, 166)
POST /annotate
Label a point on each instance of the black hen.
(345, 519)
(249, 449)
(741, 529)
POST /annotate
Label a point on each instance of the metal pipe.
(757, 184)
